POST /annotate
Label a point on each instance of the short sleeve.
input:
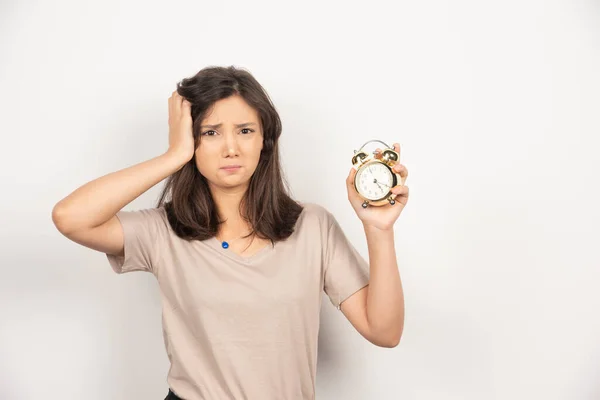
(345, 270)
(143, 233)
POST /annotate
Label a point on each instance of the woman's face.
(230, 135)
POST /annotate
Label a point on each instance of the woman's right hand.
(181, 138)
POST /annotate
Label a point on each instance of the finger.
(402, 170)
(186, 106)
(186, 111)
(400, 190)
(174, 104)
(378, 153)
(177, 103)
(169, 107)
(171, 103)
(353, 196)
(350, 178)
(397, 150)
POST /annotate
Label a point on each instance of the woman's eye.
(208, 133)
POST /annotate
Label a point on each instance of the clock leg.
(365, 204)
(392, 201)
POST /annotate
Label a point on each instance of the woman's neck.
(228, 207)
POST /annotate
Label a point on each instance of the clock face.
(374, 180)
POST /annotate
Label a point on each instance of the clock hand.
(379, 184)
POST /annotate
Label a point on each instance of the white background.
(496, 107)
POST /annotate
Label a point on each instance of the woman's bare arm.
(87, 215)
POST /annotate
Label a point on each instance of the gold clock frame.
(389, 158)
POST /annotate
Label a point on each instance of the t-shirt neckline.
(217, 245)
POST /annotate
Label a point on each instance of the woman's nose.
(231, 145)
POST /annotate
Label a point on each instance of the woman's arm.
(377, 311)
(97, 201)
(88, 215)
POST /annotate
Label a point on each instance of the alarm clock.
(375, 177)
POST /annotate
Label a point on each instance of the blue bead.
(225, 245)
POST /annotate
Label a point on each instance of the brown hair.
(266, 205)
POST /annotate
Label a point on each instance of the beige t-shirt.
(243, 327)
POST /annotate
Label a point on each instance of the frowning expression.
(231, 140)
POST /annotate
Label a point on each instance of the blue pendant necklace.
(225, 244)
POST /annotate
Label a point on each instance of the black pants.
(172, 396)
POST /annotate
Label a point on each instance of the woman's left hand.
(381, 217)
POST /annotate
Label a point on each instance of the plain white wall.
(496, 106)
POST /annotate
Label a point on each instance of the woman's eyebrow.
(219, 125)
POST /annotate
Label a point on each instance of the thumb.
(351, 175)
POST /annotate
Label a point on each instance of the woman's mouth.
(231, 168)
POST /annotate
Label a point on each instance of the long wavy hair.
(266, 204)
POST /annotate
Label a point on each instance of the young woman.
(240, 264)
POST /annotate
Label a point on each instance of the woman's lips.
(231, 168)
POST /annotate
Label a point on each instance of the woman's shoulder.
(316, 212)
(158, 214)
(152, 217)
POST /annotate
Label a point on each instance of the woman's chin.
(233, 181)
